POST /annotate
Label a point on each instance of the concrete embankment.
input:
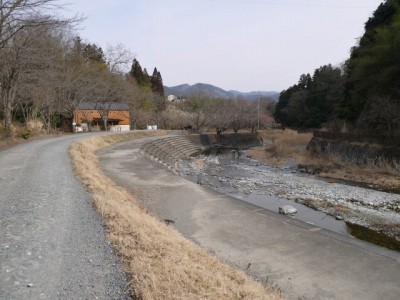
(305, 261)
(170, 151)
(229, 140)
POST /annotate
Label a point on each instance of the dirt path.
(52, 242)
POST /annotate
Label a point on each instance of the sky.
(244, 45)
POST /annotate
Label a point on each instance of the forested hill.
(372, 92)
(186, 90)
(362, 95)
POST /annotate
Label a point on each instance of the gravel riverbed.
(320, 202)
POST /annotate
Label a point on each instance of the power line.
(372, 5)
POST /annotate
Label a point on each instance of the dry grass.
(279, 146)
(288, 145)
(9, 139)
(161, 263)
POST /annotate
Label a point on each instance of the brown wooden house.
(98, 116)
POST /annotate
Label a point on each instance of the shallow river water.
(271, 187)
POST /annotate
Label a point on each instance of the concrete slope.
(169, 151)
(306, 262)
(52, 242)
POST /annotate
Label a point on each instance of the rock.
(339, 218)
(30, 285)
(168, 221)
(287, 210)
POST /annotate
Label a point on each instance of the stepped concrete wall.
(170, 151)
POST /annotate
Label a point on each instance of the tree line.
(363, 94)
(47, 71)
(200, 112)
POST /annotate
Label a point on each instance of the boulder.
(287, 210)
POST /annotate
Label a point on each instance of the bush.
(26, 133)
(35, 126)
(4, 133)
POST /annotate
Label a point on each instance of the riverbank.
(288, 147)
(305, 261)
(270, 186)
(361, 210)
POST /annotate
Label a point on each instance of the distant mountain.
(186, 90)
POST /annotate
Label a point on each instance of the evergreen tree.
(311, 102)
(93, 53)
(141, 76)
(157, 85)
(137, 72)
(373, 70)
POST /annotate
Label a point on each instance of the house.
(174, 99)
(98, 116)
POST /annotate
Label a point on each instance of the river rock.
(287, 210)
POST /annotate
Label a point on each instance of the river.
(270, 187)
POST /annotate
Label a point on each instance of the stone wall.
(358, 152)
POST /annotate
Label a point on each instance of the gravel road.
(52, 242)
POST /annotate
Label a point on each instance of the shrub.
(26, 133)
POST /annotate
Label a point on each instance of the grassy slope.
(161, 263)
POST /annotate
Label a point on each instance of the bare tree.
(37, 91)
(119, 58)
(17, 18)
(15, 13)
(77, 79)
(198, 111)
(10, 75)
(381, 113)
(139, 100)
(239, 110)
(220, 114)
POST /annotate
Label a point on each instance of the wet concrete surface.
(304, 260)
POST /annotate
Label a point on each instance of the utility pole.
(258, 112)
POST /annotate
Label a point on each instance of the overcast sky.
(244, 45)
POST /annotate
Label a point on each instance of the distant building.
(174, 99)
(95, 116)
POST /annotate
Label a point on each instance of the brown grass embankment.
(281, 146)
(160, 262)
(288, 145)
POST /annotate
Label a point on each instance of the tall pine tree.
(157, 85)
(140, 75)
